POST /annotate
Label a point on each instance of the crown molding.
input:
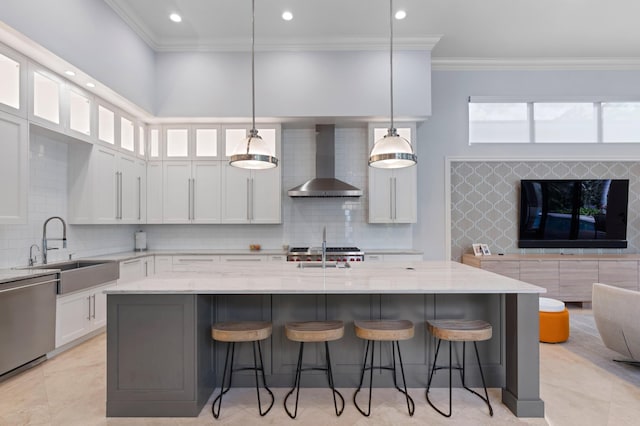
(125, 13)
(296, 44)
(528, 64)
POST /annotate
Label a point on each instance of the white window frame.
(531, 101)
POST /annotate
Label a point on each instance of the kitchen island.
(161, 360)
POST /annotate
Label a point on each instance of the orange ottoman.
(554, 321)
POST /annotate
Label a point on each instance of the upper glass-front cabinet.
(81, 114)
(188, 142)
(46, 98)
(13, 82)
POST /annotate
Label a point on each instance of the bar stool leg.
(486, 394)
(331, 385)
(216, 412)
(264, 382)
(296, 384)
(433, 369)
(411, 407)
(364, 368)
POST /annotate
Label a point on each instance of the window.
(621, 122)
(498, 122)
(494, 120)
(560, 122)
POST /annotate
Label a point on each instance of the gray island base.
(162, 362)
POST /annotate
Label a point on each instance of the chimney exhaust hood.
(325, 184)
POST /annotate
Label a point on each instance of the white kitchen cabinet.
(154, 149)
(135, 269)
(106, 125)
(393, 192)
(13, 82)
(80, 313)
(81, 114)
(191, 142)
(141, 141)
(395, 257)
(251, 196)
(191, 192)
(194, 263)
(47, 101)
(105, 186)
(154, 192)
(14, 168)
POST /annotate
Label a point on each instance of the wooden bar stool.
(459, 330)
(314, 332)
(236, 332)
(388, 331)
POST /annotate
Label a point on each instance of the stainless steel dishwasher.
(27, 320)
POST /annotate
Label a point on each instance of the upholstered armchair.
(615, 311)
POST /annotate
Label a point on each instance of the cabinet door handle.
(139, 198)
(390, 198)
(395, 198)
(94, 306)
(189, 195)
(146, 269)
(117, 194)
(251, 199)
(89, 304)
(248, 200)
(193, 199)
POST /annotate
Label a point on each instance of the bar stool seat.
(314, 332)
(389, 331)
(238, 332)
(243, 331)
(459, 330)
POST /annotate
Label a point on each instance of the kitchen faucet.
(32, 258)
(45, 239)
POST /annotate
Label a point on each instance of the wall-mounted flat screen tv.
(576, 213)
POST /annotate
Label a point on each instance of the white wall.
(91, 36)
(48, 197)
(445, 133)
(292, 84)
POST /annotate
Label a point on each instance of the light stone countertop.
(425, 277)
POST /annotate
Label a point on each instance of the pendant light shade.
(392, 151)
(256, 156)
(253, 153)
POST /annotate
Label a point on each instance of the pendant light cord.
(391, 58)
(253, 67)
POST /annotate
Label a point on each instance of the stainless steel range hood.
(325, 184)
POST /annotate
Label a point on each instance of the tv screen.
(587, 213)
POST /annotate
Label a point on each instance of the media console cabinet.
(568, 277)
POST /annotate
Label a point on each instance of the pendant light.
(256, 155)
(392, 151)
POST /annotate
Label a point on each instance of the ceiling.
(482, 29)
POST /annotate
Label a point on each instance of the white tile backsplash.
(48, 197)
(303, 219)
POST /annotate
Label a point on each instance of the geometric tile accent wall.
(485, 201)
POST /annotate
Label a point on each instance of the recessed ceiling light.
(287, 16)
(70, 73)
(90, 84)
(175, 17)
(401, 14)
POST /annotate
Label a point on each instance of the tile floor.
(70, 390)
